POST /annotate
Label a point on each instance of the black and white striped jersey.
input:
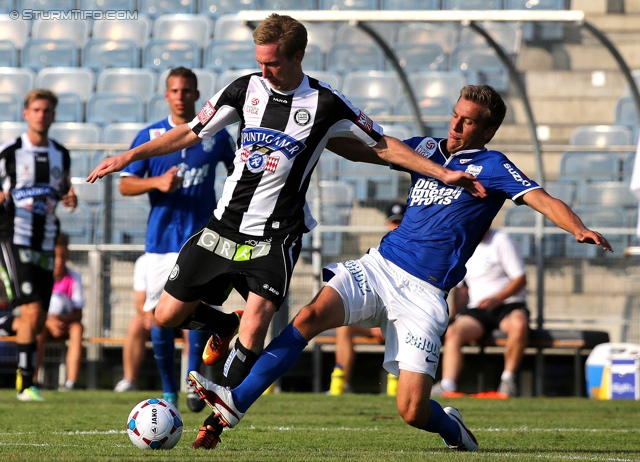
(280, 140)
(34, 178)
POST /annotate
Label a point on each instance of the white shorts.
(412, 313)
(158, 268)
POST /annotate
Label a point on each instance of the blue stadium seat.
(226, 77)
(155, 8)
(333, 79)
(10, 107)
(506, 34)
(348, 4)
(195, 27)
(539, 31)
(372, 84)
(598, 217)
(15, 30)
(585, 165)
(601, 136)
(7, 6)
(481, 65)
(436, 113)
(46, 5)
(563, 190)
(228, 27)
(11, 130)
(128, 223)
(525, 217)
(217, 8)
(363, 55)
(372, 106)
(313, 58)
(8, 54)
(346, 33)
(321, 34)
(446, 35)
(136, 30)
(223, 55)
(157, 108)
(19, 81)
(161, 54)
(69, 108)
(78, 80)
(77, 133)
(471, 4)
(627, 166)
(123, 133)
(121, 80)
(102, 5)
(410, 5)
(102, 53)
(108, 108)
(626, 112)
(75, 30)
(606, 193)
(418, 57)
(40, 53)
(78, 223)
(436, 84)
(276, 5)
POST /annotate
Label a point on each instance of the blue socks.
(276, 359)
(197, 340)
(441, 423)
(164, 351)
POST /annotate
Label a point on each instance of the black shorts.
(214, 260)
(27, 274)
(490, 319)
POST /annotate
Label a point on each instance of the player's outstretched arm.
(392, 150)
(176, 139)
(562, 216)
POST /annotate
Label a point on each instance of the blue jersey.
(175, 216)
(443, 224)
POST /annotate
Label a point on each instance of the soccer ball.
(154, 424)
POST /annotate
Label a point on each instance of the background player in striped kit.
(34, 177)
(254, 238)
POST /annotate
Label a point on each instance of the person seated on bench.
(494, 288)
(345, 355)
(64, 318)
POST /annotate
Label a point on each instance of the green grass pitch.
(90, 426)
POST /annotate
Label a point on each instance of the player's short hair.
(41, 93)
(288, 33)
(486, 96)
(184, 73)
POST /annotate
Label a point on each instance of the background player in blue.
(402, 285)
(181, 192)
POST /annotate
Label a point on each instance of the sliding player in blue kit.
(402, 285)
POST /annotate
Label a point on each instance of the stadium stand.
(140, 81)
(8, 54)
(77, 80)
(40, 53)
(197, 28)
(10, 107)
(155, 8)
(17, 80)
(108, 108)
(136, 30)
(161, 54)
(102, 53)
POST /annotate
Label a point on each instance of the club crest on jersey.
(206, 113)
(156, 132)
(474, 170)
(364, 122)
(267, 141)
(257, 162)
(427, 147)
(302, 117)
(207, 145)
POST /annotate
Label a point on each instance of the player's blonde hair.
(288, 33)
(41, 93)
(486, 96)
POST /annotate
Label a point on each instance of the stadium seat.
(61, 29)
(370, 181)
(78, 223)
(436, 113)
(563, 190)
(400, 131)
(605, 193)
(601, 136)
(128, 222)
(348, 4)
(216, 8)
(333, 79)
(10, 107)
(8, 54)
(103, 53)
(481, 65)
(598, 217)
(223, 55)
(108, 108)
(327, 166)
(313, 58)
(444, 34)
(121, 133)
(136, 30)
(584, 165)
(69, 108)
(78, 80)
(350, 57)
(7, 6)
(121, 80)
(40, 53)
(372, 106)
(418, 57)
(436, 84)
(228, 27)
(525, 217)
(161, 54)
(373, 84)
(410, 5)
(226, 77)
(19, 81)
(506, 34)
(157, 108)
(77, 133)
(47, 5)
(195, 27)
(276, 5)
(102, 5)
(626, 112)
(15, 30)
(538, 31)
(471, 4)
(346, 33)
(627, 166)
(156, 8)
(321, 34)
(11, 130)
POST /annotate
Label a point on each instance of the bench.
(576, 343)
